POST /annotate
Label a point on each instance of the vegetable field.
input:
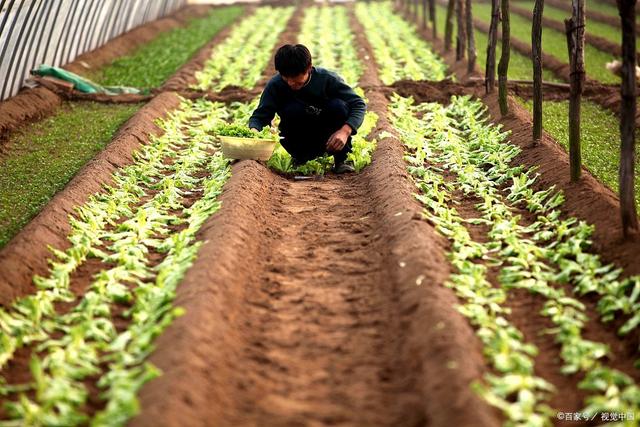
(457, 277)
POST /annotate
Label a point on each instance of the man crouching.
(318, 111)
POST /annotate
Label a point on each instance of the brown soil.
(26, 107)
(228, 94)
(26, 254)
(424, 91)
(323, 326)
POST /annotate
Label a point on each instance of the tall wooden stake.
(432, 16)
(471, 41)
(448, 29)
(536, 53)
(627, 10)
(503, 66)
(424, 14)
(461, 37)
(490, 68)
(575, 42)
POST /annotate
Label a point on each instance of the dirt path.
(320, 334)
(318, 303)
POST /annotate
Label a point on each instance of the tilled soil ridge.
(25, 107)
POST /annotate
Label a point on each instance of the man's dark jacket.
(323, 86)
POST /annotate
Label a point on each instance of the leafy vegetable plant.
(242, 131)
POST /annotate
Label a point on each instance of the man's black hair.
(292, 60)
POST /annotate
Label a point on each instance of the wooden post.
(536, 53)
(432, 16)
(461, 36)
(627, 10)
(490, 69)
(424, 14)
(448, 29)
(503, 66)
(471, 42)
(575, 43)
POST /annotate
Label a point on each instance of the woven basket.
(247, 148)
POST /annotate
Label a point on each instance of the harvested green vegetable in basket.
(242, 131)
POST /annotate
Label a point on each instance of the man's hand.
(338, 140)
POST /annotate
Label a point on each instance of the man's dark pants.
(306, 132)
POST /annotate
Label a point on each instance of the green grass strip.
(600, 7)
(604, 8)
(554, 43)
(600, 138)
(43, 157)
(595, 28)
(150, 65)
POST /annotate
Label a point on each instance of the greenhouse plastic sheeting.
(80, 83)
(55, 32)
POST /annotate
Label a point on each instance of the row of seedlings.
(327, 33)
(243, 56)
(399, 51)
(140, 231)
(542, 258)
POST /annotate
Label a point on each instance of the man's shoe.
(343, 168)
